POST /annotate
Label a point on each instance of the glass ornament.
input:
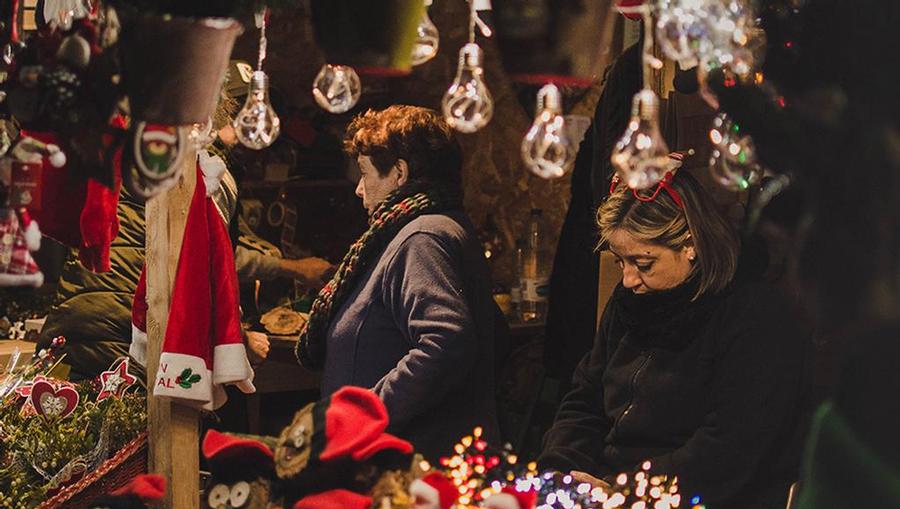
(733, 163)
(427, 39)
(467, 104)
(547, 149)
(641, 156)
(256, 125)
(337, 88)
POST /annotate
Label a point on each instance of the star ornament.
(115, 381)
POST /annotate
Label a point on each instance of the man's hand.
(588, 478)
(258, 345)
(313, 272)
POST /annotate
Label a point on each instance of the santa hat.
(334, 499)
(511, 498)
(158, 132)
(434, 491)
(225, 452)
(137, 494)
(203, 347)
(138, 348)
(629, 4)
(349, 425)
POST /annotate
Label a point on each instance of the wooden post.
(174, 428)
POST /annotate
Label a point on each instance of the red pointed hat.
(434, 491)
(511, 498)
(147, 487)
(630, 3)
(355, 420)
(225, 451)
(334, 499)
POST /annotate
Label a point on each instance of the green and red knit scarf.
(397, 210)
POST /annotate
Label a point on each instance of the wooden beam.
(174, 428)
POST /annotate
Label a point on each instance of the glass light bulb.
(467, 104)
(547, 149)
(427, 39)
(733, 162)
(256, 125)
(641, 156)
(337, 88)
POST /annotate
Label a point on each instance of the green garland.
(29, 441)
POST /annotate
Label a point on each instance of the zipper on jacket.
(634, 378)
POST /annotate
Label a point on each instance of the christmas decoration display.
(56, 434)
(19, 236)
(547, 149)
(467, 104)
(336, 88)
(428, 39)
(733, 162)
(257, 125)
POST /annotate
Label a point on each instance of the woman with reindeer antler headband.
(698, 366)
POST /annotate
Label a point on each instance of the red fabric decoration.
(511, 498)
(334, 499)
(147, 487)
(432, 488)
(99, 223)
(630, 3)
(354, 426)
(138, 348)
(221, 450)
(203, 347)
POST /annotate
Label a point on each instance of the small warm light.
(424, 466)
(467, 441)
(645, 465)
(477, 432)
(622, 479)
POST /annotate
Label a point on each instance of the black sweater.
(713, 391)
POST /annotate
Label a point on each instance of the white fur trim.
(171, 365)
(138, 348)
(230, 366)
(426, 496)
(35, 280)
(213, 167)
(33, 236)
(501, 501)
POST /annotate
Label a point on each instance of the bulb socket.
(259, 81)
(471, 55)
(645, 105)
(549, 98)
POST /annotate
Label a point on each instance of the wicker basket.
(125, 465)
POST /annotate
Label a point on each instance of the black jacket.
(713, 391)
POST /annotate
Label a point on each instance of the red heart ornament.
(52, 402)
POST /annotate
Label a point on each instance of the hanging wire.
(262, 18)
(475, 19)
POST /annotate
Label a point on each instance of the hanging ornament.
(337, 88)
(158, 150)
(427, 39)
(15, 45)
(116, 380)
(257, 125)
(641, 156)
(53, 399)
(201, 135)
(467, 104)
(547, 149)
(733, 163)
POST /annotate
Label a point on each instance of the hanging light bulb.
(427, 39)
(641, 156)
(467, 104)
(733, 162)
(256, 125)
(547, 149)
(337, 88)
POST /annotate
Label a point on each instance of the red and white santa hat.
(434, 491)
(203, 348)
(511, 498)
(630, 3)
(158, 132)
(334, 499)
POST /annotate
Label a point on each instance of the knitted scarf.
(398, 209)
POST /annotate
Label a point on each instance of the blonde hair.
(662, 222)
